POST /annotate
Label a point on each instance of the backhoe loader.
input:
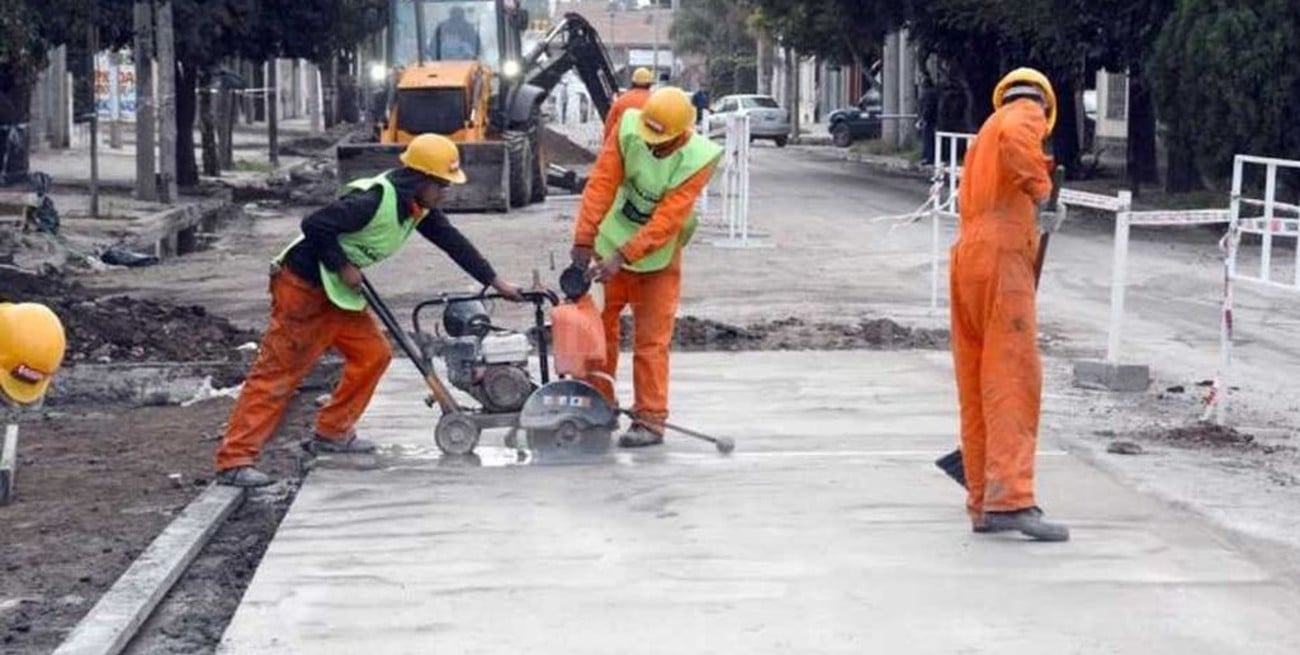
(456, 67)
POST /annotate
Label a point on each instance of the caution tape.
(927, 208)
(1227, 247)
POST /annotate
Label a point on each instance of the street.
(829, 529)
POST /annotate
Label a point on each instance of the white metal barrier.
(1260, 217)
(949, 151)
(735, 185)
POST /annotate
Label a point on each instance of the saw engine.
(487, 362)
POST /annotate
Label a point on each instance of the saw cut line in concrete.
(113, 621)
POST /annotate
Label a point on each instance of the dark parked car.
(853, 123)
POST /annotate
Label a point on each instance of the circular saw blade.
(570, 416)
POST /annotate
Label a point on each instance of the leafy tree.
(718, 30)
(1227, 80)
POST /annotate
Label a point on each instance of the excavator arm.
(572, 44)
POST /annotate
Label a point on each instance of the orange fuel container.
(578, 338)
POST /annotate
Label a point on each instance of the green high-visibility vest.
(646, 180)
(377, 241)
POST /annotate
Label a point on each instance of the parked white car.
(767, 120)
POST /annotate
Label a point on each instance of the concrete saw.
(568, 417)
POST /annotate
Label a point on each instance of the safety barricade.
(735, 187)
(1274, 222)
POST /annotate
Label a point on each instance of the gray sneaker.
(243, 476)
(1029, 522)
(352, 445)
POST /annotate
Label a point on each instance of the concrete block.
(1106, 376)
(8, 463)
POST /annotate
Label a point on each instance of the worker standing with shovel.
(994, 314)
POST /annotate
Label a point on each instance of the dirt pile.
(561, 151)
(701, 334)
(104, 329)
(1206, 435)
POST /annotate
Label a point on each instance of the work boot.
(1029, 522)
(352, 445)
(639, 436)
(243, 476)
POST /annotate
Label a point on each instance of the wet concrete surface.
(828, 531)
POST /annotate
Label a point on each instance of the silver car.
(767, 120)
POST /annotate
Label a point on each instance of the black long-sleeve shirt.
(353, 212)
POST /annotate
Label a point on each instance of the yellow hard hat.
(31, 349)
(642, 77)
(1022, 77)
(667, 114)
(436, 156)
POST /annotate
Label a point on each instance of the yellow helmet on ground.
(31, 349)
(436, 156)
(642, 77)
(667, 114)
(1027, 82)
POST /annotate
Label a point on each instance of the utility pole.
(167, 91)
(146, 186)
(92, 42)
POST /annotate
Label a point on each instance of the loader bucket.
(484, 164)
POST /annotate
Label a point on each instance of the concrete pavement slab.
(828, 531)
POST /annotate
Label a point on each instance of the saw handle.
(538, 298)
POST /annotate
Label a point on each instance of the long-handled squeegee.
(952, 463)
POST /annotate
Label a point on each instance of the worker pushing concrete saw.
(995, 265)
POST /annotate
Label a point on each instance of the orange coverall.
(653, 296)
(304, 324)
(633, 98)
(994, 322)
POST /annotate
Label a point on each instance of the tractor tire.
(520, 162)
(539, 166)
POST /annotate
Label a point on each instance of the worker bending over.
(637, 213)
(316, 305)
(994, 322)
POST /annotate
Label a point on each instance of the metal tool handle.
(1058, 179)
(436, 388)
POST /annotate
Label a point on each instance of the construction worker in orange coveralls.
(316, 305)
(633, 98)
(994, 323)
(637, 213)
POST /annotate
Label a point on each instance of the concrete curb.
(892, 165)
(114, 620)
(8, 463)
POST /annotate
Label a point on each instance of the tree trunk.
(1065, 138)
(187, 169)
(168, 153)
(332, 111)
(208, 122)
(146, 184)
(1142, 163)
(272, 112)
(226, 128)
(1182, 174)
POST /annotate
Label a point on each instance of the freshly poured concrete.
(828, 531)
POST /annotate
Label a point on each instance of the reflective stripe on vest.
(378, 240)
(646, 180)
